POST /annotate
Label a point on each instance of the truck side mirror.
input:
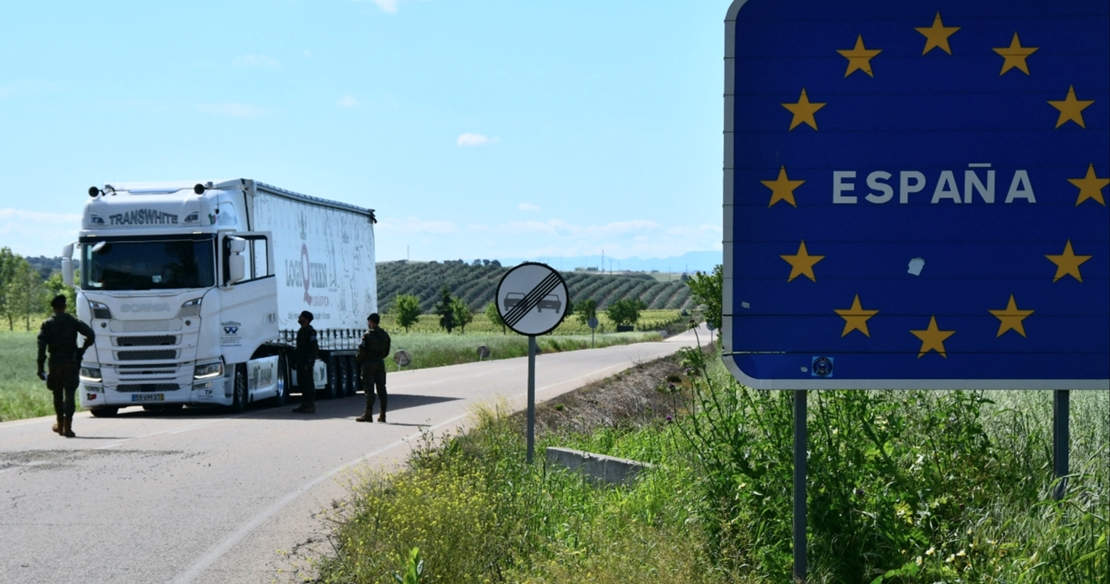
(67, 264)
(236, 263)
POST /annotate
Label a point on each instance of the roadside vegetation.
(905, 487)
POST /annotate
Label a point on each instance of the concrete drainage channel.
(597, 467)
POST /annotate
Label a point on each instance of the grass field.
(905, 487)
(22, 395)
(650, 320)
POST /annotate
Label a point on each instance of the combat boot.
(367, 417)
(57, 427)
(67, 427)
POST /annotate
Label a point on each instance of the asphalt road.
(203, 496)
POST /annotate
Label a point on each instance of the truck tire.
(104, 412)
(282, 382)
(332, 388)
(352, 376)
(240, 390)
(344, 376)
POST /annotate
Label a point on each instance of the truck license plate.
(148, 397)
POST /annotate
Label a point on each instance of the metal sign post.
(532, 300)
(915, 198)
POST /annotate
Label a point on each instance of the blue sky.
(476, 129)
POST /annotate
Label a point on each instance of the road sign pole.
(801, 438)
(531, 396)
(1061, 440)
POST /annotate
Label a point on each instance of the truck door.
(248, 315)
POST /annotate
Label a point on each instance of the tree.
(463, 315)
(8, 263)
(708, 291)
(494, 316)
(28, 292)
(586, 310)
(55, 286)
(407, 308)
(443, 309)
(625, 311)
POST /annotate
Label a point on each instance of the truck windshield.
(148, 264)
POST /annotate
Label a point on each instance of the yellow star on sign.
(782, 188)
(859, 57)
(803, 111)
(1071, 109)
(1090, 186)
(855, 318)
(802, 263)
(937, 35)
(1011, 318)
(1015, 55)
(932, 338)
(1067, 263)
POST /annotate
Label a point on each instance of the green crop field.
(22, 395)
(477, 284)
(650, 320)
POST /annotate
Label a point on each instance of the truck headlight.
(100, 310)
(208, 370)
(190, 308)
(89, 374)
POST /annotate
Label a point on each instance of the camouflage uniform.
(372, 352)
(308, 348)
(59, 334)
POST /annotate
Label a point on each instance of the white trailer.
(194, 290)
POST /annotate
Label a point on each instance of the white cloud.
(348, 101)
(232, 110)
(389, 6)
(528, 207)
(33, 233)
(469, 139)
(256, 62)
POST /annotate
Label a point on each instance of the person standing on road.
(59, 334)
(372, 352)
(307, 350)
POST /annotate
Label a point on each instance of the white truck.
(194, 290)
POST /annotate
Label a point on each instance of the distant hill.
(690, 262)
(476, 283)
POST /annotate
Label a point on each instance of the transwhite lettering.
(886, 190)
(839, 187)
(946, 188)
(1021, 188)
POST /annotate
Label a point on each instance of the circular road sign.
(592, 323)
(403, 358)
(532, 299)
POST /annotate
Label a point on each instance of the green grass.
(650, 320)
(905, 487)
(22, 394)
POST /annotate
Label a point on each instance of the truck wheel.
(282, 382)
(239, 391)
(344, 377)
(104, 412)
(332, 388)
(352, 376)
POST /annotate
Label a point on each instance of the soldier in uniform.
(372, 352)
(59, 334)
(307, 350)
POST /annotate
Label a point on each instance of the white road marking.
(217, 551)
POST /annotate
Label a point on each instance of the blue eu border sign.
(915, 194)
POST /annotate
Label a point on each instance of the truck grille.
(149, 341)
(147, 387)
(165, 355)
